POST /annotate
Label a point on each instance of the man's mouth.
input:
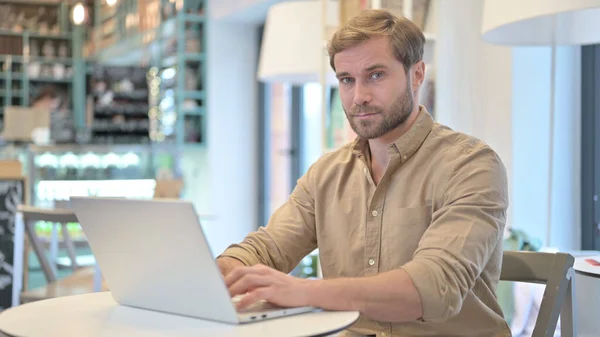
(365, 114)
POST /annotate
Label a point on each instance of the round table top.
(588, 265)
(97, 314)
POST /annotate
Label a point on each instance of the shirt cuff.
(239, 254)
(433, 293)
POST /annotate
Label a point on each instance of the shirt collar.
(407, 144)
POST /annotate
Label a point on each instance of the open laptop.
(153, 255)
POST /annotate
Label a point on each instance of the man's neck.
(379, 146)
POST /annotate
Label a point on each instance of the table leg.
(569, 310)
(97, 278)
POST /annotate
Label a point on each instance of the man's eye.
(376, 75)
(346, 80)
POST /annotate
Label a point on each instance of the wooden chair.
(555, 270)
(79, 282)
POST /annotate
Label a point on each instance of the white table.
(587, 295)
(584, 267)
(97, 314)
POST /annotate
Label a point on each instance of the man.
(408, 218)
(49, 97)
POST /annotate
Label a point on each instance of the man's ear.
(418, 75)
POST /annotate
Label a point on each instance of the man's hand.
(227, 264)
(260, 282)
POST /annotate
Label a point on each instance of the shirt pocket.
(402, 230)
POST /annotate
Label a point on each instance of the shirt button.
(374, 213)
(371, 262)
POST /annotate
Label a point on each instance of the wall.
(232, 55)
(501, 95)
(473, 91)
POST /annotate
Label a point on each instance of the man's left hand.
(260, 282)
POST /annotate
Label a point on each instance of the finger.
(248, 283)
(253, 296)
(240, 272)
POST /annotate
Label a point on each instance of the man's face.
(48, 103)
(375, 90)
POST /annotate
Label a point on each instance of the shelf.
(133, 49)
(194, 57)
(165, 46)
(107, 14)
(60, 36)
(197, 95)
(23, 59)
(14, 93)
(44, 3)
(14, 76)
(197, 111)
(50, 60)
(50, 80)
(186, 57)
(124, 110)
(169, 61)
(193, 18)
(136, 95)
(20, 77)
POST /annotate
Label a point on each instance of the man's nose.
(362, 94)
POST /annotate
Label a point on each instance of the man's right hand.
(227, 264)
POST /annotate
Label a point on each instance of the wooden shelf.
(14, 93)
(186, 57)
(196, 95)
(14, 76)
(59, 36)
(197, 111)
(164, 47)
(194, 18)
(50, 80)
(23, 59)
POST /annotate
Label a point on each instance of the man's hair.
(405, 37)
(48, 91)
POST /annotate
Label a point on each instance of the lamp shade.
(541, 22)
(293, 47)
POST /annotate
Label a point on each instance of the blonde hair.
(406, 38)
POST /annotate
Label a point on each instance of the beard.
(394, 116)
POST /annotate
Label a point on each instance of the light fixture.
(78, 14)
(293, 45)
(111, 3)
(543, 23)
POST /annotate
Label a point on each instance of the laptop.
(153, 255)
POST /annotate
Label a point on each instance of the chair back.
(555, 270)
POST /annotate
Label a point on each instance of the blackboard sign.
(12, 194)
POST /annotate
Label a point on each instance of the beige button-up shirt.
(438, 212)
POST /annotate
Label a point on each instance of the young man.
(408, 218)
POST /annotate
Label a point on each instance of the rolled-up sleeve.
(288, 237)
(462, 236)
